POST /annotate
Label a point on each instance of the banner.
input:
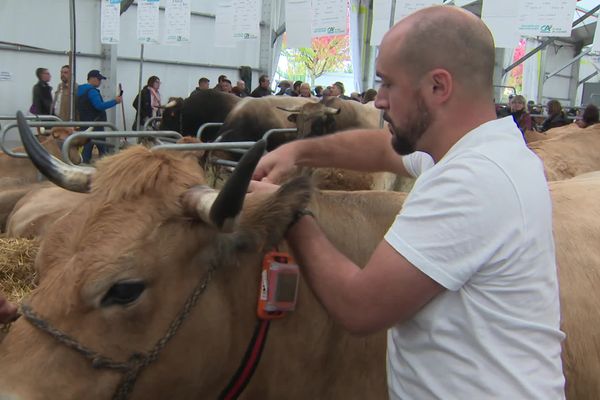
(224, 24)
(298, 23)
(502, 20)
(177, 25)
(147, 21)
(246, 20)
(329, 17)
(546, 17)
(110, 25)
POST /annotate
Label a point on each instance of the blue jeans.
(87, 150)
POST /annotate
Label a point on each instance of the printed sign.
(110, 26)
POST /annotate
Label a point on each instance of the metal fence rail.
(115, 134)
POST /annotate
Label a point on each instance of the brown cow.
(571, 152)
(11, 191)
(35, 212)
(22, 168)
(119, 268)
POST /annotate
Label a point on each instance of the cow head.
(314, 119)
(122, 266)
(171, 115)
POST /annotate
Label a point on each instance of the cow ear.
(263, 224)
(292, 118)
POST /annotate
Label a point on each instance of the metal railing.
(115, 134)
(31, 117)
(150, 121)
(203, 127)
(58, 123)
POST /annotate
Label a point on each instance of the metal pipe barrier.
(277, 130)
(149, 121)
(116, 134)
(203, 127)
(31, 117)
(230, 146)
(59, 123)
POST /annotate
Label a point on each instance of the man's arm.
(387, 291)
(366, 150)
(97, 102)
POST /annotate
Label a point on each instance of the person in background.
(294, 91)
(150, 102)
(41, 103)
(520, 114)
(337, 90)
(589, 117)
(470, 312)
(304, 90)
(356, 97)
(319, 91)
(369, 96)
(225, 86)
(93, 108)
(240, 89)
(283, 87)
(219, 80)
(62, 96)
(203, 84)
(263, 88)
(556, 116)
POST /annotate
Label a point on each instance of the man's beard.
(405, 138)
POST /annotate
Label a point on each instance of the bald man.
(465, 278)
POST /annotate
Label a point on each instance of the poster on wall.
(147, 21)
(407, 7)
(382, 10)
(329, 17)
(224, 24)
(110, 26)
(546, 17)
(501, 19)
(298, 23)
(246, 19)
(177, 21)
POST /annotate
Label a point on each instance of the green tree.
(327, 54)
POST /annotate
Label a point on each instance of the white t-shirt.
(479, 222)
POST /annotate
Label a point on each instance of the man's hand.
(118, 99)
(276, 166)
(8, 311)
(262, 187)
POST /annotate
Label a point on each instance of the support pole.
(72, 62)
(571, 61)
(139, 103)
(587, 78)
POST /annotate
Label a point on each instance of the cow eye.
(123, 293)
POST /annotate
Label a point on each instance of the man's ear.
(442, 85)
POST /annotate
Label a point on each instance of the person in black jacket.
(556, 116)
(42, 93)
(148, 94)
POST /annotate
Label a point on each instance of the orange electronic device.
(279, 286)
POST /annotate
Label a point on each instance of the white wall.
(45, 24)
(558, 86)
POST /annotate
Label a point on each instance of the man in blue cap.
(93, 108)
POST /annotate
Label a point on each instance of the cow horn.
(229, 202)
(76, 179)
(170, 104)
(292, 110)
(331, 111)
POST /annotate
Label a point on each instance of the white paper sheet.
(177, 21)
(224, 24)
(501, 18)
(382, 10)
(407, 7)
(147, 21)
(546, 17)
(246, 20)
(329, 17)
(298, 23)
(110, 26)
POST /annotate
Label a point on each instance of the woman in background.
(556, 116)
(519, 113)
(150, 102)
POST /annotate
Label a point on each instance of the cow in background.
(205, 105)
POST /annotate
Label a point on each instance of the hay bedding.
(17, 275)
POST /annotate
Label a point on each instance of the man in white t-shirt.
(465, 279)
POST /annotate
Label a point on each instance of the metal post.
(72, 59)
(587, 78)
(139, 104)
(571, 61)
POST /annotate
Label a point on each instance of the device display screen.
(286, 287)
